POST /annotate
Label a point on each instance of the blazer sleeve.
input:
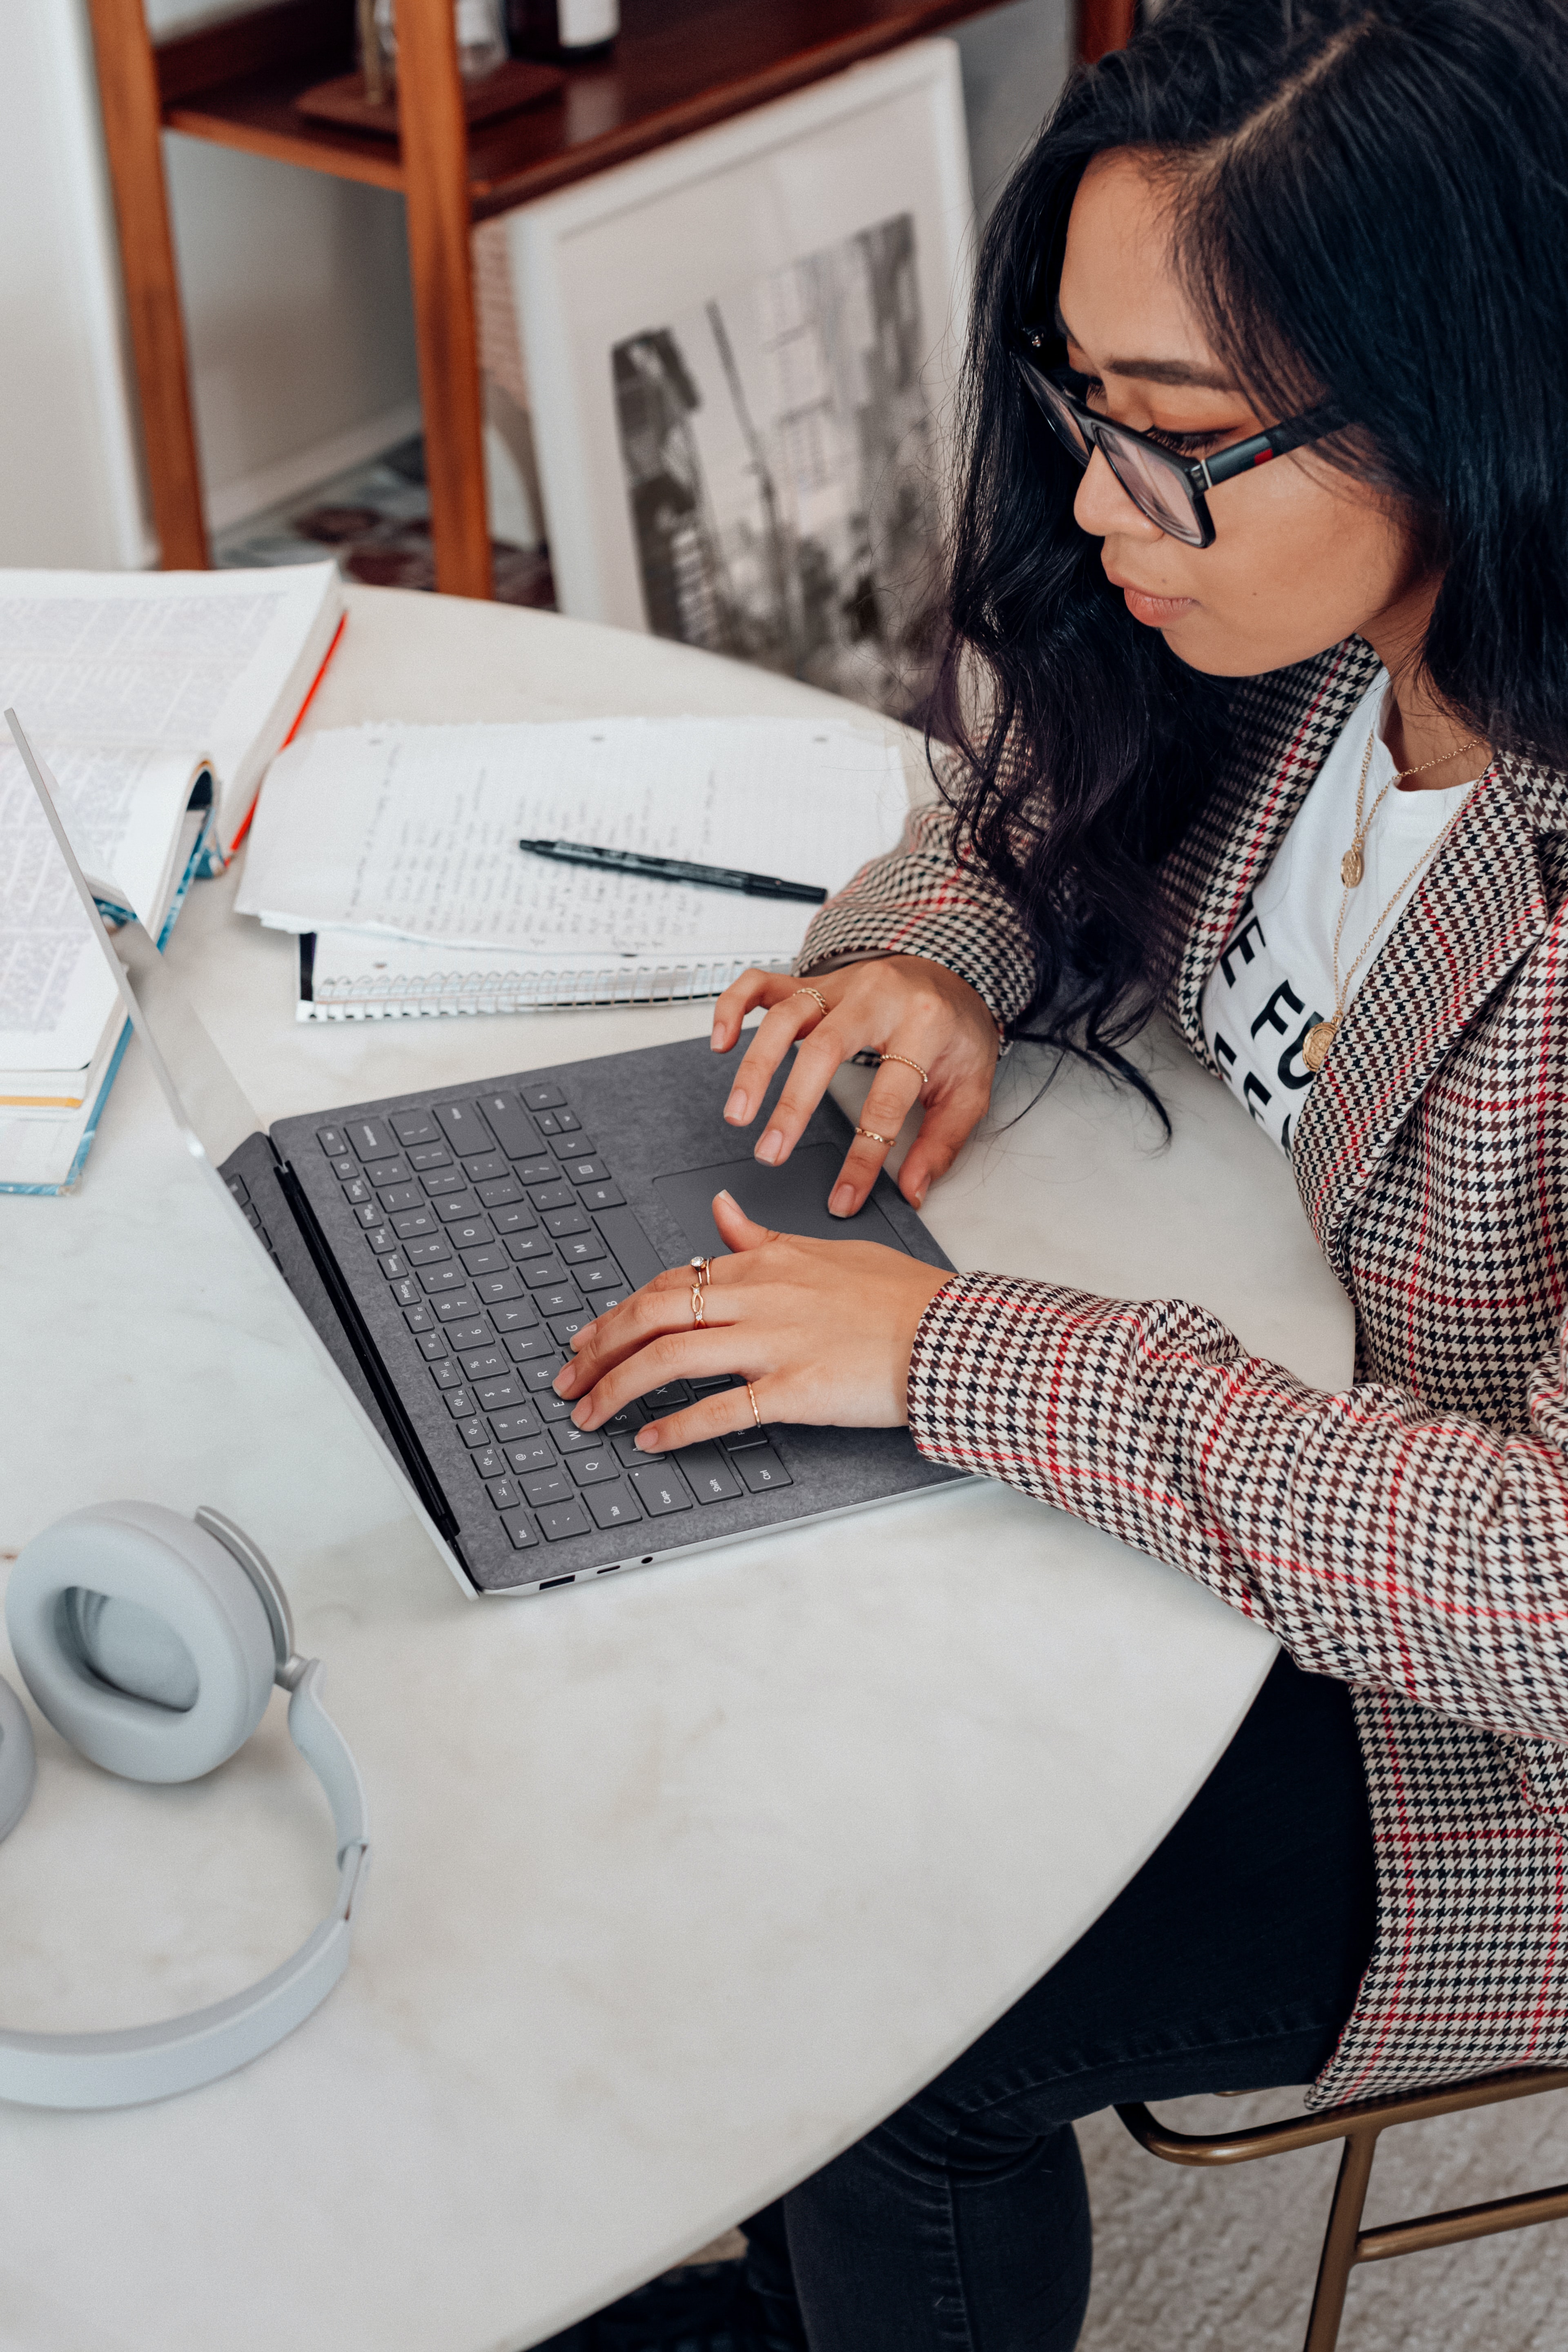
(923, 899)
(1383, 1544)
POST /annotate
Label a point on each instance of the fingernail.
(565, 1379)
(647, 1441)
(920, 1198)
(580, 1412)
(735, 1108)
(842, 1204)
(771, 1146)
(725, 1195)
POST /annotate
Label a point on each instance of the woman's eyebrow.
(1183, 372)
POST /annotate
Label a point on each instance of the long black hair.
(1371, 207)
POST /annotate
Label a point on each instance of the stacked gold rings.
(910, 1063)
(702, 1275)
(817, 998)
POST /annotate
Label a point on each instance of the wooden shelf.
(680, 66)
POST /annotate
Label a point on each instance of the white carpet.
(1225, 2261)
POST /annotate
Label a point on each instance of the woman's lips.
(1158, 612)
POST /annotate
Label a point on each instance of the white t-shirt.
(1275, 978)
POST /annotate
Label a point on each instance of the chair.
(1359, 2125)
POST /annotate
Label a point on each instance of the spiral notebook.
(393, 852)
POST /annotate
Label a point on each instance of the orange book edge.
(299, 723)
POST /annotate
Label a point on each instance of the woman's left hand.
(823, 1331)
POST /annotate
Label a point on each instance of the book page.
(204, 663)
(122, 808)
(414, 831)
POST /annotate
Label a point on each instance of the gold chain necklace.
(1352, 865)
(1319, 1038)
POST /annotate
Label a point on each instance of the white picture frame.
(821, 179)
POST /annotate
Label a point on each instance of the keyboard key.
(542, 1274)
(626, 1449)
(520, 1528)
(740, 1441)
(356, 1193)
(714, 1387)
(428, 1156)
(368, 1213)
(566, 1120)
(584, 1249)
(504, 1493)
(563, 1519)
(761, 1468)
(369, 1137)
(469, 1334)
(548, 1406)
(514, 1315)
(629, 1418)
(432, 1345)
(450, 1276)
(544, 1097)
(489, 1462)
(556, 1298)
(602, 1196)
(394, 1170)
(481, 1166)
(454, 1306)
(488, 1257)
(709, 1475)
(605, 1275)
(570, 1439)
(536, 1172)
(464, 1126)
(420, 1319)
(493, 1288)
(577, 1171)
(590, 1469)
(566, 1326)
(447, 1375)
(410, 1221)
(520, 1421)
(381, 1237)
(502, 1193)
(461, 1404)
(483, 1364)
(395, 1267)
(523, 1347)
(673, 1394)
(469, 1233)
(546, 1122)
(474, 1433)
(412, 1127)
(495, 1394)
(464, 1209)
(400, 1196)
(332, 1140)
(603, 1300)
(560, 1221)
(406, 1291)
(550, 1196)
(433, 1252)
(613, 1506)
(510, 1124)
(511, 1217)
(660, 1489)
(548, 1487)
(346, 1169)
(529, 1454)
(441, 1180)
(530, 1244)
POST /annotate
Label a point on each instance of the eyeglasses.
(1170, 489)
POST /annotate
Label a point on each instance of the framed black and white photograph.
(740, 352)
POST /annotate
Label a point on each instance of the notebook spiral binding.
(386, 995)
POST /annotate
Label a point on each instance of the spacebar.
(639, 1261)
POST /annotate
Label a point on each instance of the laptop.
(444, 1245)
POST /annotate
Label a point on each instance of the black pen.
(674, 869)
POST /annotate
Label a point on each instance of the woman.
(1280, 744)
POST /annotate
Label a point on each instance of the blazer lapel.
(1481, 906)
(1285, 725)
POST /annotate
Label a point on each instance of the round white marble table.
(680, 1882)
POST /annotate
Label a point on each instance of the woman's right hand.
(898, 1006)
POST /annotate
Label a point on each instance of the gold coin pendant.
(1352, 866)
(1315, 1052)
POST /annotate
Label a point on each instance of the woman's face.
(1304, 556)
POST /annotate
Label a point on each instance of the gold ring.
(908, 1064)
(703, 1269)
(871, 1136)
(697, 1314)
(815, 997)
(756, 1416)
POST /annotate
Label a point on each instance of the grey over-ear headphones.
(152, 1644)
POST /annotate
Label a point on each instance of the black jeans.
(1229, 1964)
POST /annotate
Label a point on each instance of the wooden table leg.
(128, 92)
(1104, 26)
(436, 169)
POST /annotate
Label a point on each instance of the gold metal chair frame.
(1360, 2125)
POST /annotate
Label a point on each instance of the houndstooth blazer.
(1409, 1536)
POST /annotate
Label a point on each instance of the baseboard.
(253, 494)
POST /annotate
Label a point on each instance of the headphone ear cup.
(141, 1639)
(17, 1767)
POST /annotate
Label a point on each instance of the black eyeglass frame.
(1195, 476)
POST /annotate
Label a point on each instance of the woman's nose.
(1104, 507)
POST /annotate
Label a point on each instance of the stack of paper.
(392, 851)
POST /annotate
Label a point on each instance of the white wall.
(296, 289)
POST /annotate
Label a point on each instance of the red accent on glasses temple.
(1263, 457)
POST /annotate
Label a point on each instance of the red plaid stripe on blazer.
(1409, 1536)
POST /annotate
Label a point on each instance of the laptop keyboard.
(480, 1215)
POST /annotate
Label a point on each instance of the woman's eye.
(1183, 445)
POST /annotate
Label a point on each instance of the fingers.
(743, 996)
(715, 1416)
(799, 1019)
(946, 1128)
(895, 1090)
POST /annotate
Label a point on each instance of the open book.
(394, 852)
(157, 700)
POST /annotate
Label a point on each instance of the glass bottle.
(566, 32)
(482, 37)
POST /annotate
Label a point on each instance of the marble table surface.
(680, 1882)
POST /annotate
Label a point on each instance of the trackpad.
(792, 1199)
